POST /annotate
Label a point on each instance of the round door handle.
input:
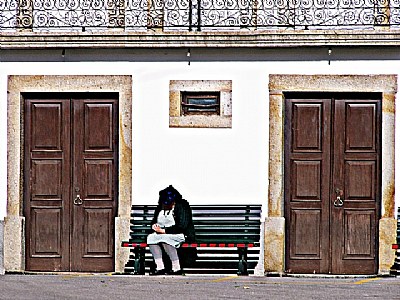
(78, 200)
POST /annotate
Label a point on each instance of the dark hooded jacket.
(183, 223)
(182, 215)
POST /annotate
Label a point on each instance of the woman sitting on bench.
(172, 224)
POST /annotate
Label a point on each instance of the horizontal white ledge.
(227, 39)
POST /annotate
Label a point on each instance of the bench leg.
(139, 261)
(242, 267)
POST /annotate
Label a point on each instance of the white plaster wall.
(205, 165)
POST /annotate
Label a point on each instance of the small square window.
(200, 103)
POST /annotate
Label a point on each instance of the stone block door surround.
(275, 220)
(14, 227)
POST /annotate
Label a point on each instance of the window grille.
(194, 103)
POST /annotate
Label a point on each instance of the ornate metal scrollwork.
(196, 14)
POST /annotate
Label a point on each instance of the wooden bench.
(227, 239)
(395, 269)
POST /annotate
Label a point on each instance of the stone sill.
(216, 39)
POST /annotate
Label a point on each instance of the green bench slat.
(215, 239)
(205, 228)
(395, 268)
(216, 223)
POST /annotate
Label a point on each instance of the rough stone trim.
(278, 84)
(14, 256)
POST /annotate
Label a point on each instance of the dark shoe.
(158, 272)
(179, 272)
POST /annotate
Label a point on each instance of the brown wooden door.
(332, 182)
(70, 182)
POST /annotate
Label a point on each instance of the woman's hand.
(158, 229)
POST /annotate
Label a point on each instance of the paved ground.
(89, 286)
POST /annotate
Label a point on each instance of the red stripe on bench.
(195, 245)
(395, 246)
(133, 245)
(189, 245)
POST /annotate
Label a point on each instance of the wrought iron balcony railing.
(142, 15)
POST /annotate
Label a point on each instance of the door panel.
(307, 180)
(332, 183)
(94, 182)
(47, 178)
(306, 223)
(70, 183)
(308, 117)
(360, 180)
(47, 173)
(307, 169)
(357, 234)
(46, 225)
(98, 126)
(360, 125)
(48, 120)
(98, 180)
(356, 175)
(97, 235)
